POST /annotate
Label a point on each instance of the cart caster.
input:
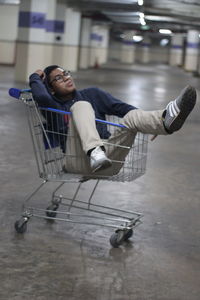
(117, 238)
(51, 210)
(128, 234)
(21, 225)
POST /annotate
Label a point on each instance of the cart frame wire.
(50, 159)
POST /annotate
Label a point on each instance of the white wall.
(84, 50)
(8, 33)
(99, 45)
(114, 50)
(70, 51)
(159, 54)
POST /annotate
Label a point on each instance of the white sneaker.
(99, 160)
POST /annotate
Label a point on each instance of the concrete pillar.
(8, 32)
(145, 50)
(114, 52)
(128, 48)
(176, 51)
(192, 51)
(54, 28)
(48, 33)
(84, 52)
(99, 45)
(30, 50)
(66, 53)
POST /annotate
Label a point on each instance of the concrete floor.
(64, 261)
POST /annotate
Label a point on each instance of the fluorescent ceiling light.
(164, 42)
(121, 13)
(165, 31)
(141, 14)
(142, 20)
(140, 2)
(10, 2)
(114, 1)
(137, 38)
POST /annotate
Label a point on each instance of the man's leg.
(150, 122)
(84, 137)
(137, 120)
(84, 122)
(163, 121)
(85, 127)
(117, 148)
(77, 161)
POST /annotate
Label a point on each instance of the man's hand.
(41, 74)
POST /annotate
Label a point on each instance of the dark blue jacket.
(102, 102)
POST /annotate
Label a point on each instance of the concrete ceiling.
(176, 15)
(140, 15)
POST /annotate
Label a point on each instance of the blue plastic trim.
(69, 113)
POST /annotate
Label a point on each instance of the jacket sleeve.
(112, 106)
(39, 92)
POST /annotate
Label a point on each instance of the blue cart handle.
(63, 112)
(13, 92)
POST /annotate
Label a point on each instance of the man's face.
(61, 82)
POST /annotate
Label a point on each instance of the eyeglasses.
(60, 77)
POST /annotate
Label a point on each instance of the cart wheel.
(117, 238)
(51, 210)
(128, 234)
(21, 225)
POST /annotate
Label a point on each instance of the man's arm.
(39, 90)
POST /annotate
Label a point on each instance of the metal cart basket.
(51, 142)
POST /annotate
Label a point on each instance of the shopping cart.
(51, 143)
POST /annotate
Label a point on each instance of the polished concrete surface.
(65, 261)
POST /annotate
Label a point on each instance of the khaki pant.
(84, 136)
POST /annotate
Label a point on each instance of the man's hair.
(48, 70)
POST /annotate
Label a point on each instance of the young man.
(55, 88)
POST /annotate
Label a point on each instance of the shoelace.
(153, 137)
